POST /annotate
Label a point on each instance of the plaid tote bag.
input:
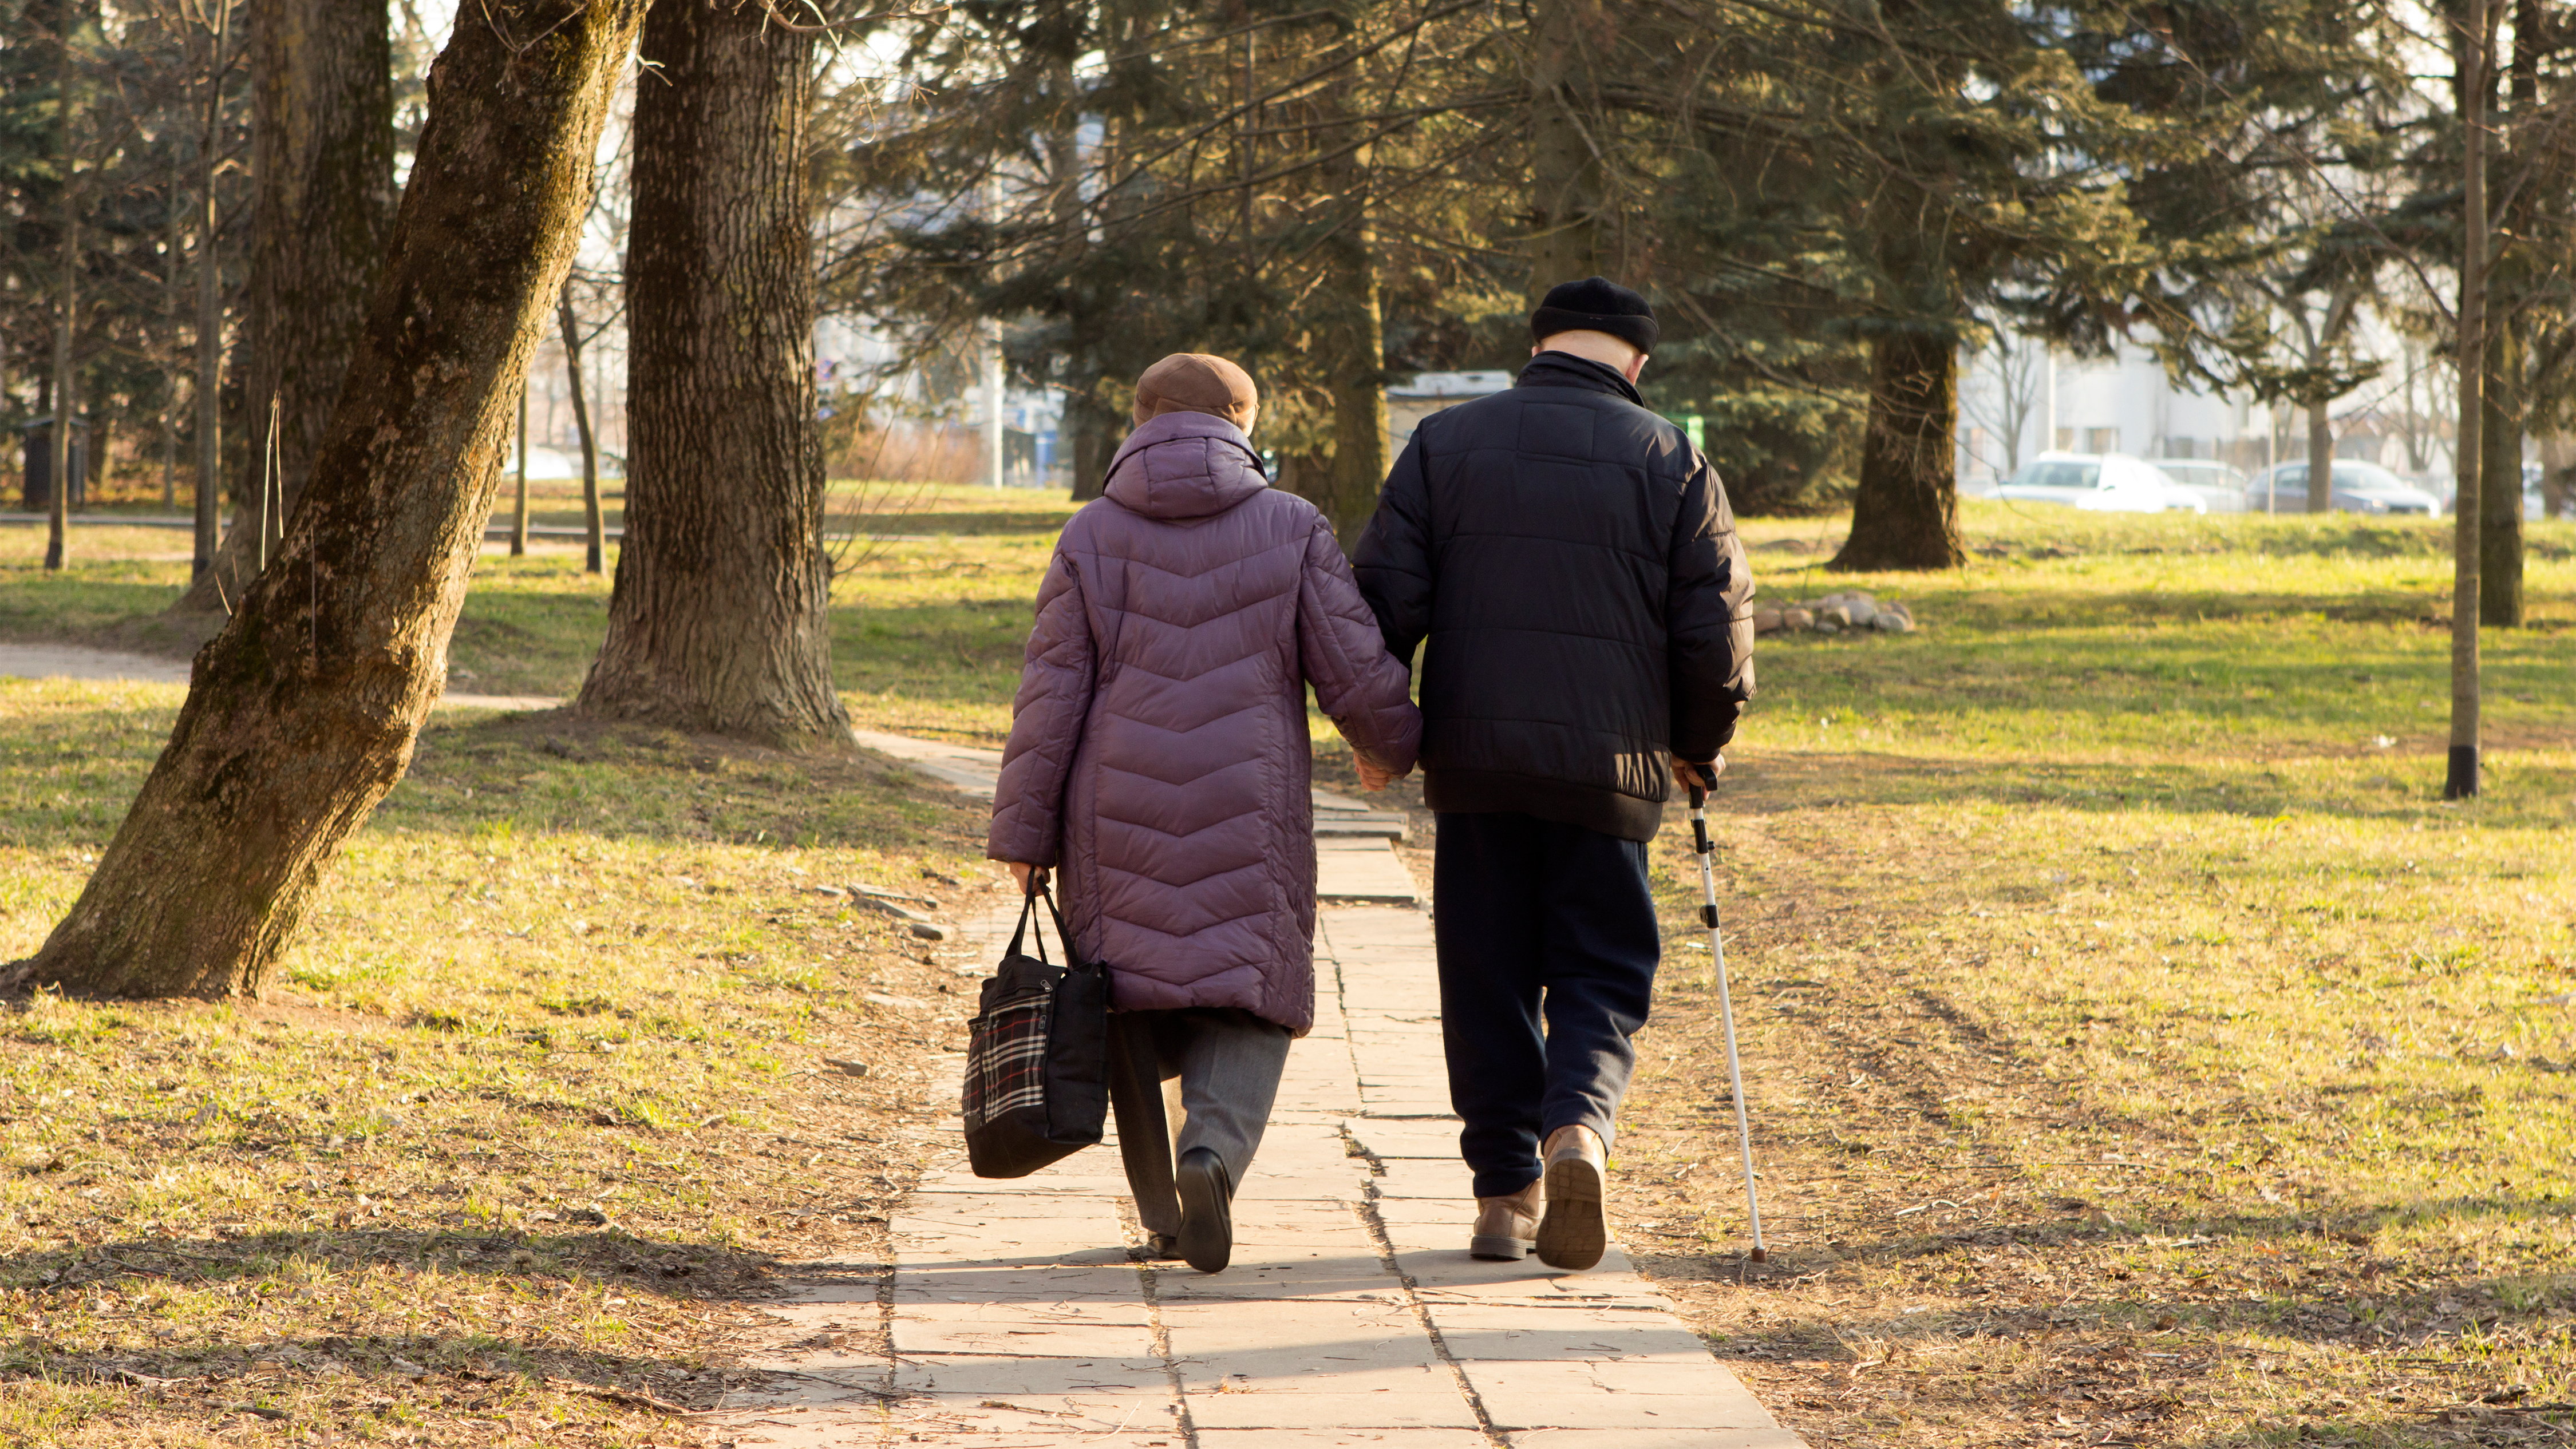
(1037, 1055)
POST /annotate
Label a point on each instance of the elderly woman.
(1159, 763)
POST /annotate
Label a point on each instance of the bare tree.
(302, 712)
(2015, 364)
(594, 556)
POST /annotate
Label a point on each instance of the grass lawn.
(519, 1129)
(2141, 1052)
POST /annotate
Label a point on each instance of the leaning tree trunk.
(322, 172)
(1565, 166)
(301, 714)
(717, 621)
(2500, 477)
(1905, 514)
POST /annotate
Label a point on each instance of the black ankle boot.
(1207, 1210)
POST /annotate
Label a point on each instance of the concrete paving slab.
(1337, 1437)
(1444, 1409)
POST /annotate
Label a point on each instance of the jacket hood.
(1564, 369)
(1184, 465)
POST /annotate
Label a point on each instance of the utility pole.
(2475, 42)
(993, 403)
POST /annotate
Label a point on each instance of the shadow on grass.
(1770, 783)
(72, 770)
(678, 1273)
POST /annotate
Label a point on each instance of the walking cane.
(1725, 1003)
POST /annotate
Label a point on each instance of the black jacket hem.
(1492, 792)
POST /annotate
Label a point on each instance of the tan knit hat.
(1197, 382)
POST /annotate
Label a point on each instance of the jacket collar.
(1564, 369)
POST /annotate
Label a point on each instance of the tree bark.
(2500, 477)
(2320, 459)
(1565, 170)
(1905, 514)
(595, 533)
(717, 622)
(302, 712)
(322, 202)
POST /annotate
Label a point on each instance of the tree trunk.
(1565, 170)
(302, 712)
(102, 456)
(519, 491)
(209, 338)
(718, 619)
(2320, 459)
(1095, 438)
(2557, 473)
(58, 513)
(1905, 514)
(2472, 46)
(2500, 477)
(1353, 333)
(595, 533)
(322, 201)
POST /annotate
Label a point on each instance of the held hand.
(1372, 778)
(1021, 871)
(1687, 774)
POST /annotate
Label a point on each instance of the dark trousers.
(1536, 919)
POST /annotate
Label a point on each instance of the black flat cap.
(1596, 304)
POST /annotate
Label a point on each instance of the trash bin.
(39, 491)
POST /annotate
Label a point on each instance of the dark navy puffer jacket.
(1158, 752)
(1572, 561)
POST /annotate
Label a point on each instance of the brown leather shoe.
(1506, 1227)
(1572, 1233)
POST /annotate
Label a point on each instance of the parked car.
(2100, 483)
(2219, 486)
(2359, 487)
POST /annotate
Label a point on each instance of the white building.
(2022, 400)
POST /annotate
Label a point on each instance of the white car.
(2099, 483)
(2219, 486)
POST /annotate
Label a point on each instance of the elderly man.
(1571, 560)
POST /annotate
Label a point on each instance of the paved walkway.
(1352, 1314)
(73, 661)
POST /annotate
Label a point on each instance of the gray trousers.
(1202, 1076)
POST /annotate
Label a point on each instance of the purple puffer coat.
(1158, 752)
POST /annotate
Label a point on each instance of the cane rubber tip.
(1760, 1256)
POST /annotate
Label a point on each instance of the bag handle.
(1037, 891)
